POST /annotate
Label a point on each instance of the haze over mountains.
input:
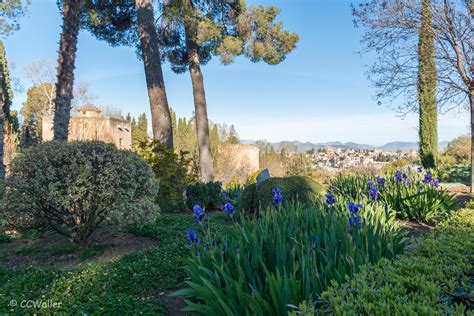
(305, 146)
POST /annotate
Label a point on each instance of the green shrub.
(173, 172)
(433, 279)
(207, 195)
(284, 258)
(4, 238)
(459, 173)
(300, 188)
(412, 195)
(74, 187)
(248, 201)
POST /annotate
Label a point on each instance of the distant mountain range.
(303, 147)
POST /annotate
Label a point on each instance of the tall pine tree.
(427, 78)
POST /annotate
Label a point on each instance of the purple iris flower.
(277, 196)
(193, 237)
(427, 178)
(407, 181)
(434, 183)
(398, 176)
(198, 213)
(370, 183)
(330, 200)
(228, 208)
(355, 220)
(419, 169)
(354, 208)
(374, 193)
(380, 180)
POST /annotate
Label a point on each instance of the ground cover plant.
(129, 285)
(288, 255)
(435, 278)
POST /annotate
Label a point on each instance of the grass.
(26, 249)
(62, 248)
(92, 251)
(123, 286)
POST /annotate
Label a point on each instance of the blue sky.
(319, 93)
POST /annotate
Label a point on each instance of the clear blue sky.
(319, 93)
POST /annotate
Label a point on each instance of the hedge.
(434, 278)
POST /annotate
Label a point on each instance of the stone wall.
(236, 162)
(94, 127)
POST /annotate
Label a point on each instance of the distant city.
(297, 146)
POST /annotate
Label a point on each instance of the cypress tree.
(427, 77)
(5, 103)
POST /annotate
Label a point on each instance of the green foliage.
(284, 257)
(7, 92)
(433, 279)
(248, 200)
(459, 173)
(126, 286)
(409, 197)
(427, 79)
(10, 12)
(139, 131)
(35, 106)
(208, 195)
(62, 248)
(74, 187)
(26, 249)
(173, 172)
(92, 251)
(300, 188)
(4, 238)
(257, 26)
(459, 150)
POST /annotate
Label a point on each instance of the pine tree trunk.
(3, 98)
(160, 113)
(427, 77)
(66, 60)
(200, 108)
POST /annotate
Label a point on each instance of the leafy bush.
(173, 172)
(459, 173)
(300, 188)
(248, 200)
(74, 187)
(4, 238)
(283, 258)
(412, 195)
(208, 195)
(433, 279)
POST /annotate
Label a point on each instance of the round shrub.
(74, 187)
(300, 188)
(208, 195)
(248, 201)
